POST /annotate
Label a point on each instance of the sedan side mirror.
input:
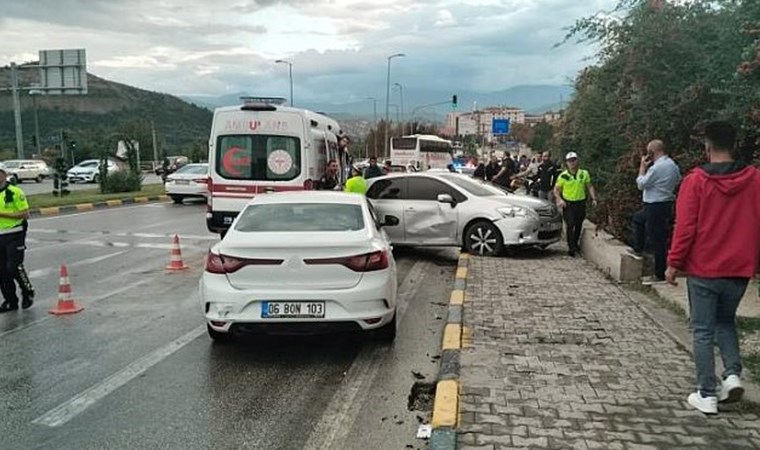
(390, 221)
(446, 198)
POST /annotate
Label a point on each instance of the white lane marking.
(95, 211)
(78, 404)
(338, 418)
(208, 237)
(113, 293)
(39, 273)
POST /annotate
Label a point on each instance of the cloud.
(444, 18)
(339, 48)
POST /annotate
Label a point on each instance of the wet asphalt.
(136, 370)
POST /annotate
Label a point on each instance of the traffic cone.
(66, 304)
(176, 261)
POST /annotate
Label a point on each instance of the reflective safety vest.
(12, 200)
(573, 187)
(357, 185)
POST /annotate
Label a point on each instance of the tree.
(664, 69)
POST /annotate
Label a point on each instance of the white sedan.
(302, 262)
(191, 181)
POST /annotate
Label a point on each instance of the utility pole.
(17, 112)
(155, 147)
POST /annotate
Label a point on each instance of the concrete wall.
(610, 255)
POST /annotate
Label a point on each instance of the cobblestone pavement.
(561, 357)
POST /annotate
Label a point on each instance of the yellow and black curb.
(446, 403)
(82, 207)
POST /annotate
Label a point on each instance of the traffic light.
(454, 101)
(72, 145)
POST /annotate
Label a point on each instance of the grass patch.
(90, 196)
(748, 324)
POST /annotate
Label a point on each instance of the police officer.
(571, 191)
(14, 211)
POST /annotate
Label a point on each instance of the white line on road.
(113, 293)
(338, 418)
(95, 211)
(77, 405)
(39, 273)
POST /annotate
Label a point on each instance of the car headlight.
(516, 211)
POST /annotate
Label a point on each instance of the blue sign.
(500, 126)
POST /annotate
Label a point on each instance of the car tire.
(14, 179)
(96, 178)
(483, 238)
(177, 199)
(38, 179)
(386, 333)
(218, 336)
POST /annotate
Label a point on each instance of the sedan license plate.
(555, 226)
(182, 181)
(292, 310)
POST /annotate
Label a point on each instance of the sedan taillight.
(367, 262)
(203, 180)
(216, 263)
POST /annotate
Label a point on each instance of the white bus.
(422, 151)
(262, 146)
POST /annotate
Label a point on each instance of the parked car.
(88, 171)
(19, 170)
(302, 262)
(450, 209)
(175, 162)
(190, 181)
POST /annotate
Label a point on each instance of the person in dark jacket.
(329, 180)
(716, 242)
(546, 176)
(373, 170)
(492, 168)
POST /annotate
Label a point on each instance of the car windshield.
(287, 217)
(474, 187)
(193, 169)
(12, 164)
(88, 164)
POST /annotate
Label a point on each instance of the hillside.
(109, 107)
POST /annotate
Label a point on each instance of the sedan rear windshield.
(288, 217)
(258, 157)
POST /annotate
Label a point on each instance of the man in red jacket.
(717, 244)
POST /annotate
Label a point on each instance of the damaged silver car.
(448, 209)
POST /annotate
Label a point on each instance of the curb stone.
(82, 207)
(446, 402)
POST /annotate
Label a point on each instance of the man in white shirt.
(658, 178)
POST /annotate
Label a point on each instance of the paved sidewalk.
(561, 357)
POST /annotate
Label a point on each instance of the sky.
(338, 48)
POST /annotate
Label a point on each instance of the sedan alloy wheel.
(483, 238)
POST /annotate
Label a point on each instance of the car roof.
(308, 197)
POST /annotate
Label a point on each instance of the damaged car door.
(387, 195)
(429, 217)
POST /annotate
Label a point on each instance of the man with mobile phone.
(657, 179)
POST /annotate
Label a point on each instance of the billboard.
(500, 126)
(63, 72)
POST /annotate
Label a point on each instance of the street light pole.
(387, 102)
(290, 75)
(374, 123)
(34, 93)
(401, 95)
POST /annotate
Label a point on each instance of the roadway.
(46, 187)
(136, 370)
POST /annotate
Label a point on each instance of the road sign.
(63, 72)
(500, 126)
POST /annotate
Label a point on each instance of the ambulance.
(264, 146)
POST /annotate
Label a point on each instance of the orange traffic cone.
(176, 262)
(66, 304)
